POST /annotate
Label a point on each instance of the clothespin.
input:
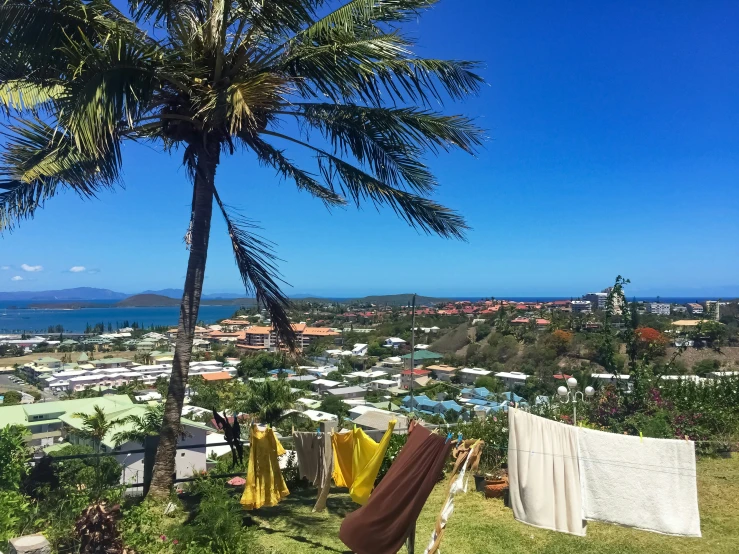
(448, 437)
(318, 431)
(641, 437)
(459, 438)
(687, 438)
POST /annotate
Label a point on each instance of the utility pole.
(413, 344)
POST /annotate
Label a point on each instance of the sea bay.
(15, 318)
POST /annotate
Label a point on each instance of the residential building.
(444, 406)
(378, 421)
(322, 385)
(265, 338)
(695, 309)
(512, 378)
(360, 349)
(713, 309)
(679, 309)
(318, 416)
(381, 384)
(442, 372)
(658, 308)
(597, 300)
(42, 419)
(108, 363)
(393, 342)
(420, 402)
(407, 375)
(191, 450)
(420, 357)
(347, 392)
(581, 306)
(479, 392)
(469, 375)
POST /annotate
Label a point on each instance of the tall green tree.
(95, 426)
(212, 77)
(269, 400)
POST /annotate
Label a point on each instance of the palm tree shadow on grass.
(298, 523)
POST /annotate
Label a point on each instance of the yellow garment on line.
(366, 461)
(343, 445)
(264, 483)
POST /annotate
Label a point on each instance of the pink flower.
(163, 537)
(175, 541)
(495, 418)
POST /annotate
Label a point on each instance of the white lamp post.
(566, 396)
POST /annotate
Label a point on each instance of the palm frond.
(422, 128)
(40, 160)
(35, 30)
(345, 69)
(112, 86)
(276, 18)
(251, 98)
(361, 14)
(19, 95)
(256, 262)
(270, 156)
(419, 212)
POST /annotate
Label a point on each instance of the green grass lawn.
(486, 526)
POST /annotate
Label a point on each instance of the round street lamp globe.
(589, 391)
(562, 391)
(572, 382)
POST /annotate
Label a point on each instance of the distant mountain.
(177, 293)
(65, 295)
(169, 293)
(147, 301)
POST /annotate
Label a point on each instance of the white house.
(360, 349)
(469, 375)
(512, 378)
(393, 342)
(316, 415)
(381, 384)
(347, 392)
(322, 385)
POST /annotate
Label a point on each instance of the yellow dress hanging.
(366, 461)
(265, 485)
(343, 445)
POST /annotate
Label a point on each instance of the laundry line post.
(326, 428)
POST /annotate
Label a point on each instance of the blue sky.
(613, 150)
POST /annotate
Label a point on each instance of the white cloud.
(5, 267)
(16, 278)
(77, 269)
(26, 267)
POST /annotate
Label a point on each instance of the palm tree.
(209, 77)
(269, 400)
(141, 426)
(95, 427)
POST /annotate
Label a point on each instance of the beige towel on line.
(543, 473)
(647, 484)
(315, 462)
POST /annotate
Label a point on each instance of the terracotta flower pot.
(495, 488)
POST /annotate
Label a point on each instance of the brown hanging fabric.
(382, 525)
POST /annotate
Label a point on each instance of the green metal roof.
(47, 360)
(135, 410)
(423, 355)
(110, 361)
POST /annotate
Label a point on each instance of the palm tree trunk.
(202, 209)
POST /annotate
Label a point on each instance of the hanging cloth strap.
(467, 456)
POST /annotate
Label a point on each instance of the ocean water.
(18, 318)
(14, 320)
